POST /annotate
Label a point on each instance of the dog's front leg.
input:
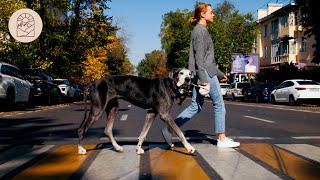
(167, 118)
(151, 115)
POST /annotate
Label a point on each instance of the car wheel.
(49, 100)
(59, 99)
(291, 101)
(30, 100)
(245, 98)
(273, 100)
(10, 99)
(233, 98)
(257, 99)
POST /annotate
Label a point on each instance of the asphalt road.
(246, 122)
(277, 142)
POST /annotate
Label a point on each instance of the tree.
(231, 32)
(153, 65)
(310, 19)
(175, 33)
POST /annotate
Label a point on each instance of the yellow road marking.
(59, 164)
(167, 164)
(287, 163)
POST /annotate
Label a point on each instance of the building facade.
(282, 38)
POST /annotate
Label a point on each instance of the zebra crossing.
(249, 161)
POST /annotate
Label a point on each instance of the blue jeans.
(197, 103)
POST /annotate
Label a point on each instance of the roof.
(278, 12)
(4, 63)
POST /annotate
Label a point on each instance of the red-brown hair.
(199, 8)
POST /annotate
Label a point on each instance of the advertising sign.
(245, 63)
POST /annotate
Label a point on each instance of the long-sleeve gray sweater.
(201, 55)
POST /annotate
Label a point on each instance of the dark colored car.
(45, 91)
(78, 91)
(259, 92)
(37, 74)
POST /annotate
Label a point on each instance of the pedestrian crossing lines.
(250, 161)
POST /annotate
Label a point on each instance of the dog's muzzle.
(184, 88)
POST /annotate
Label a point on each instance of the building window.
(274, 29)
(303, 44)
(265, 30)
(284, 21)
(274, 50)
(265, 53)
(283, 47)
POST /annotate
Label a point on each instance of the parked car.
(224, 87)
(78, 91)
(45, 92)
(296, 90)
(66, 89)
(14, 87)
(259, 92)
(236, 90)
(36, 74)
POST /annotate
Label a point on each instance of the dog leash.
(198, 86)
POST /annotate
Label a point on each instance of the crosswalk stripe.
(58, 164)
(114, 165)
(287, 163)
(230, 164)
(166, 164)
(250, 161)
(305, 150)
(18, 156)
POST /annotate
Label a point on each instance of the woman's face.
(250, 60)
(209, 15)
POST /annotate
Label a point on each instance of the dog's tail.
(86, 93)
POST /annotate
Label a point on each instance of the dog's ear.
(173, 73)
(192, 74)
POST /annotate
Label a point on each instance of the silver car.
(236, 90)
(14, 88)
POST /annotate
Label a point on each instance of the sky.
(140, 20)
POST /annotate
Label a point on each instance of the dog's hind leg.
(112, 109)
(151, 115)
(167, 118)
(94, 115)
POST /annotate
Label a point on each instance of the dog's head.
(181, 78)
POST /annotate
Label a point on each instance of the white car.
(66, 89)
(236, 90)
(295, 90)
(14, 88)
(224, 87)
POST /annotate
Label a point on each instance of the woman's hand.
(224, 79)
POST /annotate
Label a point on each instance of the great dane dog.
(157, 95)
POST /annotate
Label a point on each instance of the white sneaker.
(227, 143)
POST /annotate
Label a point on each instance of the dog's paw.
(119, 148)
(140, 151)
(81, 150)
(191, 150)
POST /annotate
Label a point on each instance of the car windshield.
(307, 83)
(243, 85)
(31, 72)
(269, 86)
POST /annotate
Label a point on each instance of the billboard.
(245, 63)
